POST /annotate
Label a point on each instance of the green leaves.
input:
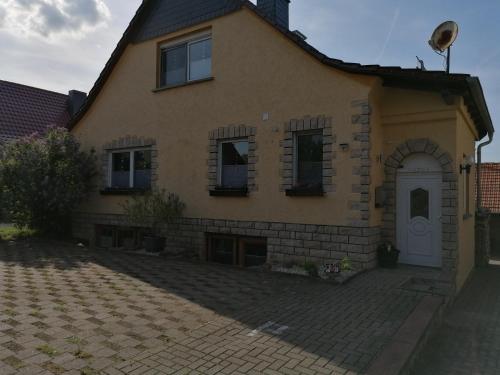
(154, 209)
(42, 179)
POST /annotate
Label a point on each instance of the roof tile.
(25, 110)
(490, 186)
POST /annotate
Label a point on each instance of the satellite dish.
(444, 36)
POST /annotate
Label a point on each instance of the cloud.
(3, 14)
(52, 18)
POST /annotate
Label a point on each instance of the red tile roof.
(25, 110)
(490, 186)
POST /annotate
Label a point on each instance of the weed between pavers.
(47, 349)
(54, 368)
(88, 371)
(14, 362)
(82, 355)
(10, 312)
(74, 340)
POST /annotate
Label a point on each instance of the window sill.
(123, 191)
(305, 192)
(163, 88)
(226, 192)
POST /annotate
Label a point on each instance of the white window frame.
(219, 156)
(187, 42)
(295, 158)
(131, 151)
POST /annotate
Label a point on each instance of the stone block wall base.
(286, 242)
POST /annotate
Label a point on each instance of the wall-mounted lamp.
(465, 167)
(344, 146)
(468, 162)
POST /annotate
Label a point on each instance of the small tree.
(154, 209)
(43, 179)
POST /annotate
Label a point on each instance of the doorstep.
(398, 355)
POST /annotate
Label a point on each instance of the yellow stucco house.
(280, 153)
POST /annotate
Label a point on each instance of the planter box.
(388, 259)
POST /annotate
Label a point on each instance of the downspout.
(478, 171)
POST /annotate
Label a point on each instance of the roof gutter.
(479, 202)
(478, 94)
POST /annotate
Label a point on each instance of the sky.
(63, 44)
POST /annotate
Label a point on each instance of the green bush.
(43, 179)
(346, 264)
(154, 209)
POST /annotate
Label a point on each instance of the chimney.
(75, 101)
(275, 10)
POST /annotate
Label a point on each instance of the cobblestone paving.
(65, 310)
(468, 342)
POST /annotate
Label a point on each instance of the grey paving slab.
(468, 341)
(66, 310)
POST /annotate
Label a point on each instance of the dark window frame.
(186, 44)
(297, 189)
(220, 169)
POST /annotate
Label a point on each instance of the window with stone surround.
(308, 160)
(130, 169)
(308, 157)
(129, 164)
(231, 162)
(232, 166)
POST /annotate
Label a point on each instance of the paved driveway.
(69, 310)
(468, 342)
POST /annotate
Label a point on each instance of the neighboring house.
(26, 110)
(281, 153)
(490, 197)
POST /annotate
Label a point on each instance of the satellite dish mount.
(443, 38)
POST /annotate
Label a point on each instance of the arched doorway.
(419, 182)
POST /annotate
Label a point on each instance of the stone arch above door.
(449, 196)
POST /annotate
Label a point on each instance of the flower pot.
(388, 259)
(154, 244)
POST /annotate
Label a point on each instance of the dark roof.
(25, 110)
(490, 186)
(157, 17)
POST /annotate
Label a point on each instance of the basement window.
(237, 251)
(186, 62)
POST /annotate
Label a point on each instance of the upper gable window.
(187, 61)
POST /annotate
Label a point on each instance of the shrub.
(154, 209)
(346, 264)
(43, 179)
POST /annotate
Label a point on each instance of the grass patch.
(12, 233)
(47, 349)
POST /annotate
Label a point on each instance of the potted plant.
(153, 210)
(388, 255)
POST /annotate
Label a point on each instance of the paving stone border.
(286, 242)
(449, 198)
(125, 143)
(228, 133)
(329, 153)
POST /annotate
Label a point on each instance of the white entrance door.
(418, 222)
